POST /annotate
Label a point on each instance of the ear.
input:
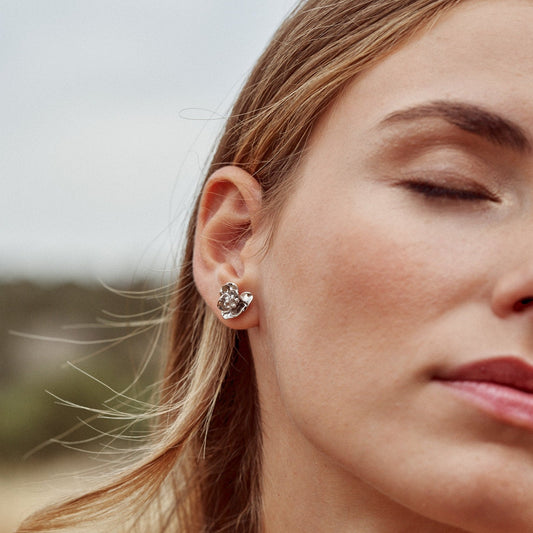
(227, 239)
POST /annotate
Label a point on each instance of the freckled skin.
(371, 289)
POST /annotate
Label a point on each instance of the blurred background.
(109, 109)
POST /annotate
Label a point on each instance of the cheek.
(351, 284)
(335, 309)
(340, 299)
(347, 300)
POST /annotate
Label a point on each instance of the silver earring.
(231, 303)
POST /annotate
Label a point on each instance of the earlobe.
(227, 241)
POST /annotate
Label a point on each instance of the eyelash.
(434, 191)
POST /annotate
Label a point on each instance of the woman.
(372, 193)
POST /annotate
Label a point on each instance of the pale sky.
(108, 111)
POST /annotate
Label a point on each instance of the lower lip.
(506, 404)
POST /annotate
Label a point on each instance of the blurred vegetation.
(50, 341)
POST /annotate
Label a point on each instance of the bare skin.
(400, 256)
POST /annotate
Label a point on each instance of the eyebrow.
(470, 118)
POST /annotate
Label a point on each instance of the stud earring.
(231, 303)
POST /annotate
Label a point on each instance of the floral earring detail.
(231, 303)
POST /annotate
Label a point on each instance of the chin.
(487, 516)
(492, 498)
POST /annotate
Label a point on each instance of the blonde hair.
(203, 469)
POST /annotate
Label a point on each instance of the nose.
(513, 293)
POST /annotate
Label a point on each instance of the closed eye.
(437, 191)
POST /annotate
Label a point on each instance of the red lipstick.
(502, 387)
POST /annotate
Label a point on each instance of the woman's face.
(403, 255)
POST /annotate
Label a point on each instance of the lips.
(508, 371)
(501, 387)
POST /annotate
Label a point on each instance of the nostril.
(523, 303)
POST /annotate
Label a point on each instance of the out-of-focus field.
(26, 488)
(67, 344)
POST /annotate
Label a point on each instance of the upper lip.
(509, 371)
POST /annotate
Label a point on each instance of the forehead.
(479, 53)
